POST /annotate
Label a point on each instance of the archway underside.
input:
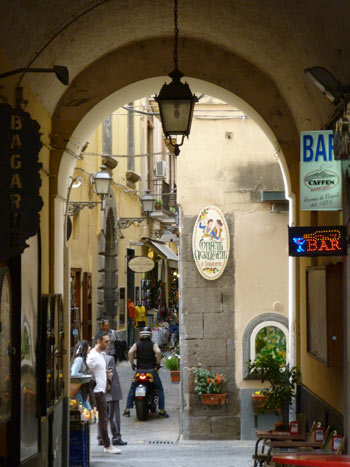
(140, 61)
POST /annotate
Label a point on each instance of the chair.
(328, 445)
(308, 444)
(262, 457)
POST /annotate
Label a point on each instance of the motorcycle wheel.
(141, 409)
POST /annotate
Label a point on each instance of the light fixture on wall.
(327, 83)
(101, 180)
(175, 100)
(61, 72)
(147, 201)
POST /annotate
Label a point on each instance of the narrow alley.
(156, 442)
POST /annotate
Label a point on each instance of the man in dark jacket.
(113, 396)
(148, 357)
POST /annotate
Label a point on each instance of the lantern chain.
(176, 31)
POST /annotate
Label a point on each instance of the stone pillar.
(207, 340)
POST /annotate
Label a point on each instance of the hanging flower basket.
(259, 402)
(213, 399)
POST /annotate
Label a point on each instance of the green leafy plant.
(172, 362)
(158, 203)
(206, 382)
(271, 340)
(282, 381)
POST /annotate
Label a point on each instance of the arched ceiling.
(256, 49)
(279, 38)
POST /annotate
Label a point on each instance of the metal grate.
(160, 442)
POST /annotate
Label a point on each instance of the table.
(312, 460)
(273, 435)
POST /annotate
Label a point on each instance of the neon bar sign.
(317, 241)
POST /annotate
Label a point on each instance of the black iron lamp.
(327, 83)
(102, 181)
(147, 202)
(60, 71)
(175, 100)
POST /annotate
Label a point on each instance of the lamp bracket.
(76, 206)
(126, 222)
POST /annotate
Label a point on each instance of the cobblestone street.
(156, 442)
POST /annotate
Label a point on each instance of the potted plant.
(172, 363)
(210, 386)
(278, 396)
(158, 204)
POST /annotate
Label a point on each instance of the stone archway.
(229, 422)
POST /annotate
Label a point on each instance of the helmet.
(146, 333)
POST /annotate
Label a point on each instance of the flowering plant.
(206, 382)
(172, 362)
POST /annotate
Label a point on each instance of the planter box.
(259, 401)
(213, 399)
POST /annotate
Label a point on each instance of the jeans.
(79, 398)
(114, 418)
(157, 383)
(101, 405)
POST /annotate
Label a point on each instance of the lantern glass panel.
(176, 116)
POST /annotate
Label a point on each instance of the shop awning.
(166, 252)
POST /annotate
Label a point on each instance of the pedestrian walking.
(98, 368)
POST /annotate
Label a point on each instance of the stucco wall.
(227, 162)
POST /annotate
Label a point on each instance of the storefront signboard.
(141, 264)
(318, 241)
(320, 173)
(19, 180)
(211, 243)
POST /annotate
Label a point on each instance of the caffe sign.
(211, 243)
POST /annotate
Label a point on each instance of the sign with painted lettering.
(211, 243)
(317, 241)
(320, 173)
(19, 180)
(141, 264)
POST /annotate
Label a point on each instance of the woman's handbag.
(74, 388)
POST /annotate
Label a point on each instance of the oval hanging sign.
(211, 243)
(141, 264)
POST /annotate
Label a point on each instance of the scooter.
(146, 394)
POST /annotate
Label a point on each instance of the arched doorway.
(149, 86)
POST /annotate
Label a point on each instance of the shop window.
(265, 334)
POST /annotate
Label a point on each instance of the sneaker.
(118, 442)
(126, 413)
(112, 450)
(99, 442)
(163, 414)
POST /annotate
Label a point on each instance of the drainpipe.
(292, 301)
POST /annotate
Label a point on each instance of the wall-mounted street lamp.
(101, 180)
(176, 101)
(327, 83)
(147, 201)
(61, 72)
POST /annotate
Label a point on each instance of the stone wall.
(207, 340)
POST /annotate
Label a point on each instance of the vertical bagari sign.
(19, 180)
(211, 243)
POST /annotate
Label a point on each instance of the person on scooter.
(148, 357)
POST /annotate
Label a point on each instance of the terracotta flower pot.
(175, 376)
(213, 399)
